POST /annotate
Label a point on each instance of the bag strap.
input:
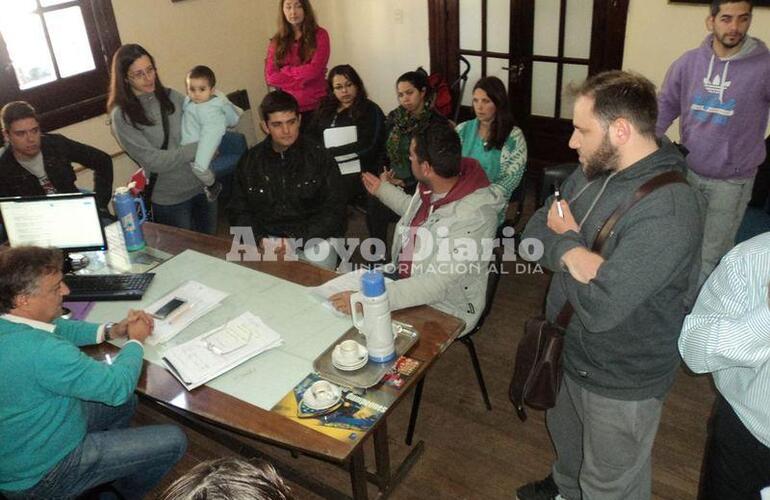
(660, 180)
(648, 187)
(164, 122)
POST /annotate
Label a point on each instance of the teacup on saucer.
(349, 353)
(321, 395)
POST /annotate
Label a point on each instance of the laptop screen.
(66, 221)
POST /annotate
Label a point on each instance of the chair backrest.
(554, 175)
(493, 279)
(518, 196)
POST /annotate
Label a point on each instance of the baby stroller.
(447, 98)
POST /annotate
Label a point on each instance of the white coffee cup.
(349, 351)
(322, 391)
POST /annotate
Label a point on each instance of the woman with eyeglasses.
(493, 139)
(413, 113)
(297, 56)
(347, 108)
(146, 120)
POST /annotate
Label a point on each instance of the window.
(55, 54)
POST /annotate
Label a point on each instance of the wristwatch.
(108, 329)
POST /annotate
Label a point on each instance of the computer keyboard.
(107, 286)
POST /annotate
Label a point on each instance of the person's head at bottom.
(229, 478)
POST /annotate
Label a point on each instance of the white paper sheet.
(206, 357)
(340, 136)
(348, 164)
(199, 299)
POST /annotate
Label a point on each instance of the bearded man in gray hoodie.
(620, 356)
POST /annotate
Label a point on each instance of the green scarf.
(404, 124)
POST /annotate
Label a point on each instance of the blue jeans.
(135, 458)
(197, 214)
(231, 149)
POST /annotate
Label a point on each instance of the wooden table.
(209, 410)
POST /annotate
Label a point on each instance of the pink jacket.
(306, 82)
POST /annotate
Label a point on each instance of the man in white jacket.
(441, 245)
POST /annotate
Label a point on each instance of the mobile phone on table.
(169, 307)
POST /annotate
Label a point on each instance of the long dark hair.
(419, 80)
(122, 95)
(284, 37)
(330, 103)
(504, 122)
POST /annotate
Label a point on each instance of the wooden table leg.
(382, 455)
(358, 474)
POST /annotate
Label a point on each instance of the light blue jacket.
(206, 123)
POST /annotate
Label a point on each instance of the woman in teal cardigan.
(493, 139)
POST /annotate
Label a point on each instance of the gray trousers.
(726, 204)
(603, 445)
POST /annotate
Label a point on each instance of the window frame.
(78, 97)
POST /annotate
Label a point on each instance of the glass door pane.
(473, 76)
(470, 25)
(546, 42)
(577, 28)
(543, 89)
(498, 25)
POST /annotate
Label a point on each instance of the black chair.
(554, 175)
(492, 281)
(518, 196)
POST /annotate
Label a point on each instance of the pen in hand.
(557, 194)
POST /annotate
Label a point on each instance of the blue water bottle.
(126, 208)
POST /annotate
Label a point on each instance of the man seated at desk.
(64, 417)
(439, 240)
(36, 164)
(287, 186)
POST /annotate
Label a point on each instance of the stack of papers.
(209, 355)
(199, 300)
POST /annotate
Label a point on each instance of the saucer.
(311, 400)
(350, 368)
(337, 361)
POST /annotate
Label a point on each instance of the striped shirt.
(728, 333)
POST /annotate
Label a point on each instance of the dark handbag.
(537, 373)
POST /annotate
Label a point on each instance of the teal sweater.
(44, 378)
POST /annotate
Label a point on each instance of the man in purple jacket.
(721, 93)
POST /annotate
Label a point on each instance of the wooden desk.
(214, 408)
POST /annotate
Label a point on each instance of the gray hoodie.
(622, 340)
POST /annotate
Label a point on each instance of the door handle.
(518, 71)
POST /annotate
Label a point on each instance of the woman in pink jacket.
(297, 56)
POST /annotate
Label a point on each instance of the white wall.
(381, 39)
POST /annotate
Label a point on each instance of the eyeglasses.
(148, 72)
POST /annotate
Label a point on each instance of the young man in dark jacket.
(36, 164)
(288, 189)
(620, 354)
